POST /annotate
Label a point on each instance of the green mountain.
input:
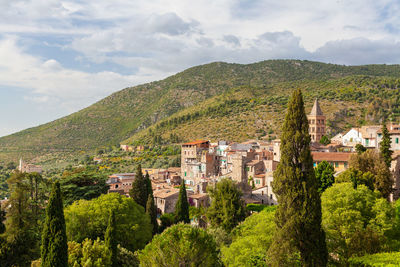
(216, 100)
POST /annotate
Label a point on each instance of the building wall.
(316, 127)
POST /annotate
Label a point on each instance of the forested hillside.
(217, 100)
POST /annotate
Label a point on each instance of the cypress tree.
(151, 210)
(148, 185)
(111, 240)
(384, 145)
(298, 235)
(139, 189)
(54, 251)
(182, 206)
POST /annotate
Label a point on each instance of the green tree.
(89, 253)
(357, 178)
(251, 240)
(298, 235)
(227, 208)
(360, 149)
(385, 144)
(54, 239)
(151, 210)
(20, 241)
(82, 184)
(324, 174)
(181, 245)
(356, 221)
(167, 220)
(182, 206)
(324, 140)
(139, 191)
(111, 241)
(88, 219)
(371, 161)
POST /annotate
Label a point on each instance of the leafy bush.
(251, 240)
(389, 259)
(181, 245)
(88, 219)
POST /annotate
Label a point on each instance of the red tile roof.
(331, 156)
(197, 142)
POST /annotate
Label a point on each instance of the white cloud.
(48, 81)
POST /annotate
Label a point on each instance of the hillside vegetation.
(217, 100)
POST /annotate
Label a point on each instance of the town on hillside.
(251, 164)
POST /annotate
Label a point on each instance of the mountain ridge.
(125, 113)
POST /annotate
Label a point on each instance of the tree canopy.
(181, 245)
(89, 219)
(298, 235)
(324, 174)
(251, 240)
(227, 208)
(356, 221)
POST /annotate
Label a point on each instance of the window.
(185, 174)
(257, 181)
(345, 164)
(336, 164)
(397, 140)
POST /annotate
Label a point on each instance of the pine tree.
(151, 210)
(139, 189)
(148, 185)
(298, 235)
(54, 239)
(111, 240)
(384, 145)
(182, 206)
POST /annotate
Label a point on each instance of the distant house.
(120, 183)
(339, 160)
(394, 132)
(352, 137)
(166, 199)
(29, 168)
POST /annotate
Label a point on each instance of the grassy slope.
(126, 112)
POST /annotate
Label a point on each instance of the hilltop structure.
(29, 168)
(316, 121)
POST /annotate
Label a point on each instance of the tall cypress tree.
(139, 189)
(298, 235)
(111, 240)
(54, 239)
(384, 145)
(182, 206)
(151, 210)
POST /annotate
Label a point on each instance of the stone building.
(316, 121)
(29, 168)
(198, 162)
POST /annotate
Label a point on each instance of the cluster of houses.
(251, 164)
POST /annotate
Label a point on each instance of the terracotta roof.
(253, 162)
(316, 110)
(331, 156)
(197, 142)
(165, 193)
(261, 175)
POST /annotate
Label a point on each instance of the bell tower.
(316, 121)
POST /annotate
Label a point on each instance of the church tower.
(316, 121)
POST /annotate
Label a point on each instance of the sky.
(57, 57)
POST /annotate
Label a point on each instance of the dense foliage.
(388, 259)
(298, 234)
(181, 245)
(140, 191)
(227, 208)
(384, 145)
(371, 161)
(82, 184)
(357, 221)
(54, 250)
(251, 240)
(182, 205)
(324, 174)
(89, 218)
